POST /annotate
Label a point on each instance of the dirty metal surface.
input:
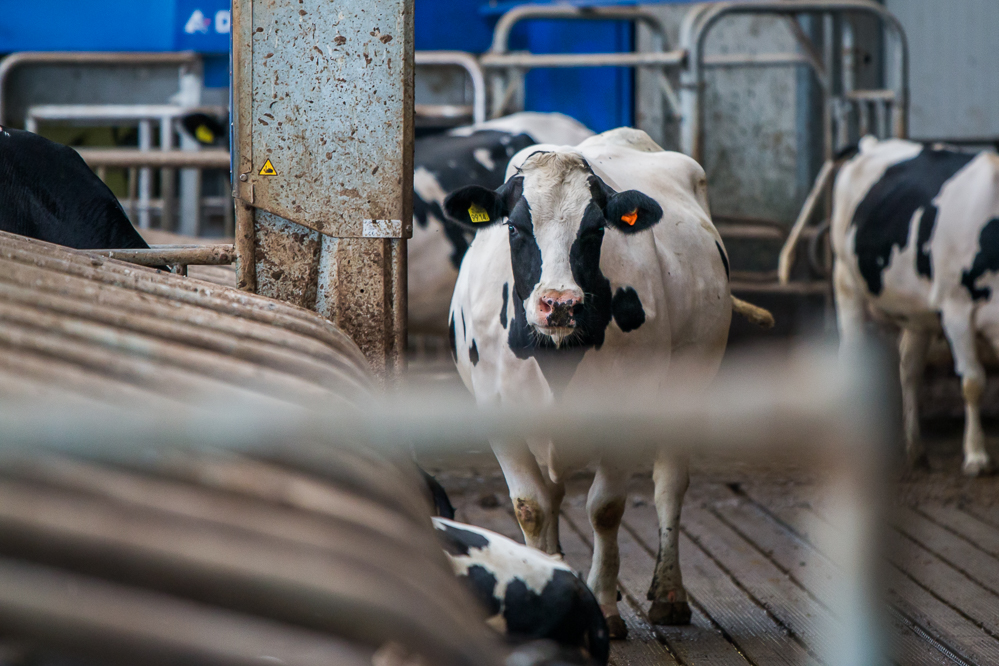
(327, 90)
(287, 258)
(323, 162)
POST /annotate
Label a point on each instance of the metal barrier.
(506, 75)
(470, 64)
(176, 257)
(143, 116)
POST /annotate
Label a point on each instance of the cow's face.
(556, 209)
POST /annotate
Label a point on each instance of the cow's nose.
(558, 308)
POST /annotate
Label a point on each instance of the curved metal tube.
(15, 60)
(501, 34)
(698, 23)
(470, 64)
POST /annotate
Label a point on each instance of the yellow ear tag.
(204, 135)
(477, 214)
(630, 218)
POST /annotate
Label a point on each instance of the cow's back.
(909, 221)
(48, 192)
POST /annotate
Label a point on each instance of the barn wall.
(955, 90)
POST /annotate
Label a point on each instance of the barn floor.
(757, 581)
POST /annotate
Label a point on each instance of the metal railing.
(471, 65)
(176, 257)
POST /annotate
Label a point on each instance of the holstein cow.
(48, 192)
(607, 271)
(915, 232)
(472, 155)
(527, 594)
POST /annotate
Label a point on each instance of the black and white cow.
(48, 192)
(592, 266)
(526, 593)
(472, 155)
(915, 232)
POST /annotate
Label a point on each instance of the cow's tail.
(754, 313)
(597, 635)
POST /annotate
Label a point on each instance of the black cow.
(48, 192)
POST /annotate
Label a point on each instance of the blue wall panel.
(114, 25)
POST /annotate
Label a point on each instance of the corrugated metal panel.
(955, 90)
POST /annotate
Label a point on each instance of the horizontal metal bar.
(871, 95)
(117, 59)
(501, 33)
(470, 64)
(533, 60)
(749, 231)
(187, 255)
(774, 287)
(105, 112)
(444, 110)
(215, 158)
(755, 60)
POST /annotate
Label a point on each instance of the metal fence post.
(323, 158)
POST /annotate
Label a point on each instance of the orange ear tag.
(630, 218)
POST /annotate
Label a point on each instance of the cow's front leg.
(605, 506)
(958, 324)
(529, 492)
(912, 349)
(669, 599)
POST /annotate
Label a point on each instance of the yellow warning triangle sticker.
(268, 169)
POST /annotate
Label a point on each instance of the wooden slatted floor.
(758, 581)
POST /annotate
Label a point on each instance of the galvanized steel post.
(322, 161)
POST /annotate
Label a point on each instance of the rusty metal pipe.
(158, 255)
(157, 159)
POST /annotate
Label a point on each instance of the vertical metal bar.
(246, 240)
(145, 174)
(102, 173)
(287, 140)
(133, 188)
(167, 177)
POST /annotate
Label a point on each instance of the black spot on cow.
(450, 339)
(627, 309)
(442, 503)
(457, 541)
(506, 298)
(883, 217)
(482, 584)
(451, 160)
(565, 611)
(986, 260)
(48, 192)
(724, 258)
(473, 354)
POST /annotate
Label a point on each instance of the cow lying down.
(528, 594)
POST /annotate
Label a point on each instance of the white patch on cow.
(426, 185)
(557, 191)
(505, 559)
(554, 128)
(484, 157)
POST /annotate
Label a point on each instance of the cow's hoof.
(978, 466)
(670, 612)
(616, 628)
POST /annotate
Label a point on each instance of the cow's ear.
(632, 211)
(475, 207)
